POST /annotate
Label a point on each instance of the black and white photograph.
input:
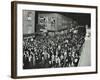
(53, 39)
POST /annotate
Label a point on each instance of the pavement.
(85, 58)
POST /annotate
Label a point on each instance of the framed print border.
(14, 38)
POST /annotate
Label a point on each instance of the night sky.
(81, 18)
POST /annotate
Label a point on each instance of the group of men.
(60, 50)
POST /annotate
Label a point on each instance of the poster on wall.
(50, 39)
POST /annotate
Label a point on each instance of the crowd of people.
(59, 50)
